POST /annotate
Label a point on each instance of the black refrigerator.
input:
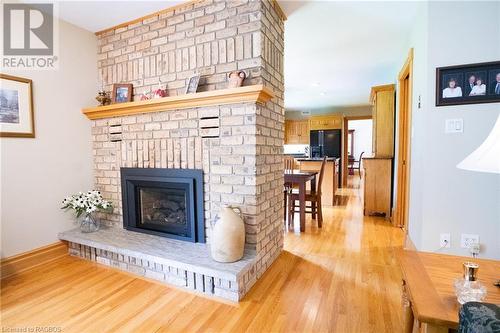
(325, 143)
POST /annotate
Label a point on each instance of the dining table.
(300, 178)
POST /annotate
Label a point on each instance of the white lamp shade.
(486, 158)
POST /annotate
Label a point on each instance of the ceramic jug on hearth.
(227, 243)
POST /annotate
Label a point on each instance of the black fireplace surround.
(164, 202)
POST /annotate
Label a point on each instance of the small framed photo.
(121, 93)
(16, 107)
(192, 84)
(468, 84)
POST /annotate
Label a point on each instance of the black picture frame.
(485, 88)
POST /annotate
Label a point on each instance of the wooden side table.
(429, 303)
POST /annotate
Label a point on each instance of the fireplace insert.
(164, 202)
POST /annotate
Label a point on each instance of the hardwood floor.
(343, 278)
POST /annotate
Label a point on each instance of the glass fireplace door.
(163, 209)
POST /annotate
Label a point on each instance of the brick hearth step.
(183, 264)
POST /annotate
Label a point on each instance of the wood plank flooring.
(341, 278)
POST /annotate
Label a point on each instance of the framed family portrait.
(121, 93)
(16, 107)
(468, 84)
(192, 84)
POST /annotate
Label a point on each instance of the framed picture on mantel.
(16, 107)
(192, 84)
(121, 93)
(468, 84)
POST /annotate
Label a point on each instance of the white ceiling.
(334, 50)
(100, 15)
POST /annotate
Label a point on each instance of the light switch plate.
(454, 125)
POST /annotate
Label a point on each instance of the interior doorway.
(404, 141)
(357, 143)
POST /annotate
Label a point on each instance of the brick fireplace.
(236, 144)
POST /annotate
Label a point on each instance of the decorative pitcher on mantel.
(236, 78)
(228, 235)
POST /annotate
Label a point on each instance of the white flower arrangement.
(86, 203)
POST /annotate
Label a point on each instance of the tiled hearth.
(237, 143)
(183, 264)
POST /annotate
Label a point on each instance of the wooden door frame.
(345, 133)
(401, 207)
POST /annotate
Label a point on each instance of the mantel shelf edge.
(245, 94)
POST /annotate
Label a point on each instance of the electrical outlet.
(468, 239)
(444, 240)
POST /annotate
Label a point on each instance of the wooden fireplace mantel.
(255, 93)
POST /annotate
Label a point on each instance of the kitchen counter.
(330, 177)
(376, 157)
(315, 159)
(296, 155)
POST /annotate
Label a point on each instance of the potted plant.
(87, 204)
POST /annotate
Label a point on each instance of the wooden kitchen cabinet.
(296, 132)
(325, 122)
(382, 100)
(378, 168)
(377, 195)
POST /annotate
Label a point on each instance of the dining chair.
(358, 166)
(289, 162)
(350, 164)
(314, 198)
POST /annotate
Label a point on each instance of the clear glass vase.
(89, 224)
(469, 291)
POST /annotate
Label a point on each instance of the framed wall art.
(16, 107)
(468, 84)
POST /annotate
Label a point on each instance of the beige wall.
(443, 198)
(37, 173)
